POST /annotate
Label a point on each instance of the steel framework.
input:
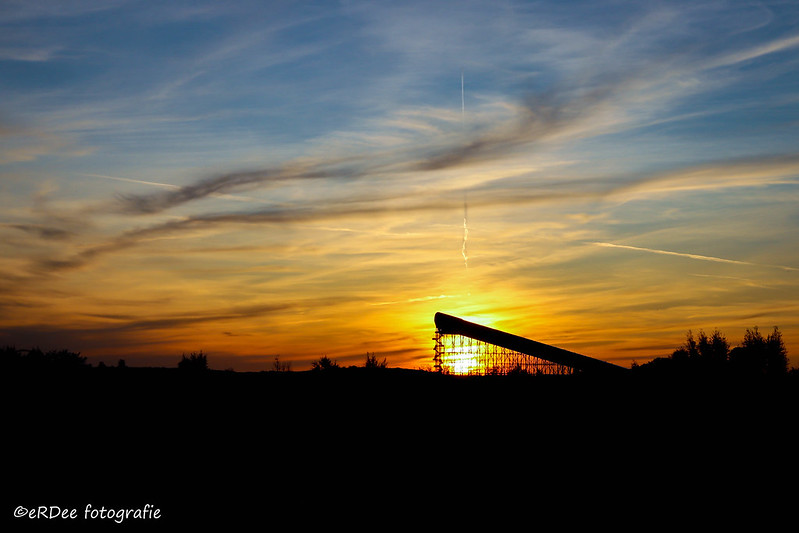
(459, 354)
(466, 348)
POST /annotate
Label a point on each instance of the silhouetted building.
(466, 348)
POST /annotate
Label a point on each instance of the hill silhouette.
(372, 445)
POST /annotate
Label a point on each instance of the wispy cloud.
(498, 193)
(532, 122)
(44, 232)
(31, 54)
(414, 300)
(27, 143)
(174, 188)
(755, 52)
(538, 120)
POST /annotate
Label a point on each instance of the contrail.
(691, 256)
(465, 212)
(130, 180)
(414, 300)
(463, 102)
(175, 187)
(465, 233)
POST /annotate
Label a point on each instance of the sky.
(292, 180)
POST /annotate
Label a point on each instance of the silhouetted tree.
(759, 355)
(64, 359)
(714, 349)
(12, 358)
(777, 353)
(372, 362)
(703, 354)
(687, 351)
(277, 366)
(324, 363)
(195, 362)
(712, 355)
(36, 359)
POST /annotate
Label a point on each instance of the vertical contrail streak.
(464, 252)
(465, 212)
(463, 102)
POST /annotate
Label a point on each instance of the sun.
(460, 355)
(466, 361)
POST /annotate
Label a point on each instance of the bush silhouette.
(372, 362)
(324, 363)
(195, 362)
(36, 359)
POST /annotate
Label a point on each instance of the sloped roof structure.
(450, 325)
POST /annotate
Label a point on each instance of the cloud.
(144, 341)
(15, 11)
(116, 324)
(168, 322)
(29, 54)
(755, 52)
(536, 119)
(507, 192)
(750, 171)
(26, 143)
(581, 104)
(154, 203)
(420, 175)
(42, 231)
(413, 300)
(171, 187)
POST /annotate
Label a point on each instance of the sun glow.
(465, 360)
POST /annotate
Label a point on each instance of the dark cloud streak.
(538, 117)
(128, 328)
(501, 192)
(43, 232)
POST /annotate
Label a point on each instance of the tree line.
(756, 354)
(702, 354)
(324, 363)
(36, 359)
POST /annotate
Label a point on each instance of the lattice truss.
(459, 354)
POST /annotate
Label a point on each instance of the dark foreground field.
(393, 447)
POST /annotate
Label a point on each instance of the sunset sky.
(299, 179)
